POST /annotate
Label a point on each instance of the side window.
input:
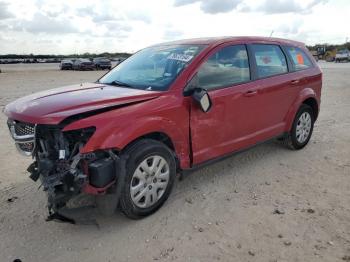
(224, 68)
(270, 60)
(300, 59)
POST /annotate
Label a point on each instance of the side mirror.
(199, 95)
(191, 86)
(202, 98)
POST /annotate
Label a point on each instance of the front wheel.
(150, 175)
(302, 128)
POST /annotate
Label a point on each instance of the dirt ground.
(224, 212)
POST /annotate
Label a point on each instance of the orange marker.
(300, 59)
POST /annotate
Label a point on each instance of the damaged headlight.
(75, 139)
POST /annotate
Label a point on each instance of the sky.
(79, 26)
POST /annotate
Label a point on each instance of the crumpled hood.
(53, 106)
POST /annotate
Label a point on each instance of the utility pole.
(271, 33)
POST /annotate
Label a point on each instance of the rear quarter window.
(299, 58)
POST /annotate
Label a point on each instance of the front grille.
(24, 136)
(24, 129)
(26, 147)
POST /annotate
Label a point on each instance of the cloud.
(44, 24)
(107, 13)
(172, 34)
(4, 13)
(3, 26)
(97, 16)
(54, 11)
(290, 28)
(139, 16)
(104, 17)
(287, 6)
(212, 6)
(117, 29)
(111, 25)
(267, 6)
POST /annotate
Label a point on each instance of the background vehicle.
(102, 63)
(169, 108)
(66, 65)
(324, 52)
(342, 55)
(83, 64)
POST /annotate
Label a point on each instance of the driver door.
(226, 127)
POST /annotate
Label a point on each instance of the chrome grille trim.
(24, 136)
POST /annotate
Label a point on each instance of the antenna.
(271, 33)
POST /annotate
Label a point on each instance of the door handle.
(251, 93)
(295, 82)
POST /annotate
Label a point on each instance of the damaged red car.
(166, 110)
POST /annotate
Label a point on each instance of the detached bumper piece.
(80, 215)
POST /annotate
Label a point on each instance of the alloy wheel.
(303, 127)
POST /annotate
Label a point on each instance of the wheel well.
(313, 104)
(161, 137)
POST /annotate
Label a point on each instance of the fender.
(303, 95)
(122, 131)
(126, 134)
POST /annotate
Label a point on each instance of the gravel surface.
(266, 204)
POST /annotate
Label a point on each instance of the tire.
(292, 140)
(158, 181)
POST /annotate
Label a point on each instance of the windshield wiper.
(118, 83)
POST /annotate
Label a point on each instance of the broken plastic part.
(85, 215)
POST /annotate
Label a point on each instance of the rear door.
(276, 87)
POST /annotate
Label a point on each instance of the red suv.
(167, 109)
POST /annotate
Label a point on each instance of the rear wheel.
(150, 175)
(302, 128)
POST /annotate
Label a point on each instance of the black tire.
(291, 140)
(135, 154)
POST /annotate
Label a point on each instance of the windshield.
(153, 68)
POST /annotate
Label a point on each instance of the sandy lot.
(224, 212)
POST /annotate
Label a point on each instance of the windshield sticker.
(180, 57)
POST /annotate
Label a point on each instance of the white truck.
(342, 55)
